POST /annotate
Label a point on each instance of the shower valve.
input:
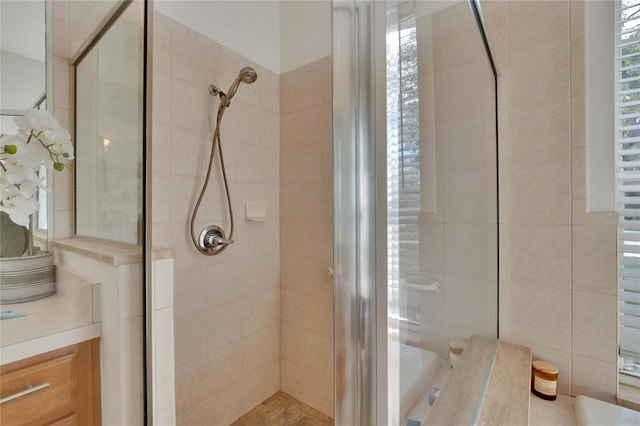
(212, 240)
(215, 240)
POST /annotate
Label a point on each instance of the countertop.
(69, 316)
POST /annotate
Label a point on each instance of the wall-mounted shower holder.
(212, 240)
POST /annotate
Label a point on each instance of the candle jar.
(544, 380)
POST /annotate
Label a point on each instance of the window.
(404, 168)
(628, 181)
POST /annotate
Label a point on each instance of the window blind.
(628, 174)
(404, 171)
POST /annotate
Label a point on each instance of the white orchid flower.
(28, 188)
(22, 154)
(36, 154)
(40, 141)
(16, 172)
(11, 144)
(36, 120)
(19, 209)
(59, 142)
(7, 190)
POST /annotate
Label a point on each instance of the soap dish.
(255, 212)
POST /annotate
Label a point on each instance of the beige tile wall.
(458, 245)
(306, 235)
(558, 263)
(227, 307)
(558, 288)
(163, 361)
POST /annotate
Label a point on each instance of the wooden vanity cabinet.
(60, 388)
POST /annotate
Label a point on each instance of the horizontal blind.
(404, 170)
(628, 175)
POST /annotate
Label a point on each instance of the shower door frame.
(360, 241)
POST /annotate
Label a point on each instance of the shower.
(212, 239)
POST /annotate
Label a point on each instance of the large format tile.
(541, 316)
(594, 378)
(539, 73)
(541, 194)
(594, 316)
(594, 258)
(541, 254)
(535, 21)
(307, 350)
(531, 142)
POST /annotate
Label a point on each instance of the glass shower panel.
(442, 197)
(109, 117)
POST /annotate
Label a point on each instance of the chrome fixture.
(212, 239)
(246, 75)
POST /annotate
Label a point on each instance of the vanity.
(50, 356)
(60, 387)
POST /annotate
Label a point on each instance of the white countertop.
(67, 317)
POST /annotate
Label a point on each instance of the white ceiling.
(24, 21)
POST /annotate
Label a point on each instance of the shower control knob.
(216, 240)
(212, 240)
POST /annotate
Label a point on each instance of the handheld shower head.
(248, 75)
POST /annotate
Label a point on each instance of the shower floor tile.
(282, 409)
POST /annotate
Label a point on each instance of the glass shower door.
(415, 210)
(442, 199)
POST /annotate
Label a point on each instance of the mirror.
(23, 58)
(23, 76)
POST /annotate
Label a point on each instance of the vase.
(14, 238)
(26, 278)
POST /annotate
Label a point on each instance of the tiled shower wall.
(558, 265)
(227, 307)
(306, 235)
(557, 262)
(458, 244)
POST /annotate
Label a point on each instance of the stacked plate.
(26, 278)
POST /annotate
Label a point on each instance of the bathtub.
(417, 369)
(592, 412)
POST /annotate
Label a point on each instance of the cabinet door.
(71, 420)
(59, 388)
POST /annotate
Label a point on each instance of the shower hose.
(216, 142)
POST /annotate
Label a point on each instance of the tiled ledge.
(112, 253)
(160, 253)
(490, 385)
(506, 399)
(458, 402)
(105, 252)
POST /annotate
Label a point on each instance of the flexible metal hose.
(216, 142)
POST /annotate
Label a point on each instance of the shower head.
(248, 75)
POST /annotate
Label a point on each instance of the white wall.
(279, 35)
(22, 80)
(250, 28)
(305, 33)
